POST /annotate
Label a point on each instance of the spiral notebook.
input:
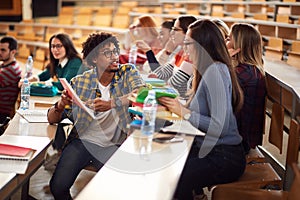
(14, 159)
(34, 116)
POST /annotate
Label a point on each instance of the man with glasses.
(105, 89)
(10, 74)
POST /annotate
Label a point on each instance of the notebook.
(34, 116)
(183, 126)
(14, 159)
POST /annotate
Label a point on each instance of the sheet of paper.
(183, 126)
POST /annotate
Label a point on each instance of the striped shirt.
(178, 79)
(10, 75)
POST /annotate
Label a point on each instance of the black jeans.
(224, 164)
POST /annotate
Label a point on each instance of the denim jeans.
(224, 164)
(75, 156)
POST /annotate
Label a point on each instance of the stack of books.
(137, 102)
(14, 159)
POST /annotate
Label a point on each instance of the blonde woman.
(245, 46)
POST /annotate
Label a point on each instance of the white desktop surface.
(133, 173)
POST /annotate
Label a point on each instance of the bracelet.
(56, 108)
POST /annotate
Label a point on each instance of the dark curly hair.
(95, 41)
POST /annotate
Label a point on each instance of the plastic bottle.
(132, 55)
(149, 115)
(29, 67)
(25, 94)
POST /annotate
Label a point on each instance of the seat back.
(292, 153)
(294, 192)
(276, 127)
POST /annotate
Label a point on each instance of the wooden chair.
(276, 127)
(103, 20)
(40, 58)
(292, 153)
(282, 18)
(23, 53)
(4, 29)
(239, 15)
(225, 192)
(67, 10)
(260, 16)
(274, 49)
(120, 21)
(256, 156)
(84, 19)
(294, 54)
(217, 11)
(65, 19)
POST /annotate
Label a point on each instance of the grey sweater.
(212, 110)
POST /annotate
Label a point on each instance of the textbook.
(75, 97)
(14, 159)
(34, 116)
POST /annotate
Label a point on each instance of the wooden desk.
(11, 182)
(140, 170)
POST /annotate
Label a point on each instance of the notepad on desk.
(34, 116)
(14, 159)
(183, 126)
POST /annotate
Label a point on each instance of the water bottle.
(25, 95)
(149, 115)
(28, 67)
(132, 55)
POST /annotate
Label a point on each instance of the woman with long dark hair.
(218, 157)
(65, 61)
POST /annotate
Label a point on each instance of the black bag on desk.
(40, 89)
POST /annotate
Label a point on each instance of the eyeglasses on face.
(57, 46)
(176, 29)
(108, 54)
(187, 43)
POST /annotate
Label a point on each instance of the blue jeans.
(224, 164)
(75, 156)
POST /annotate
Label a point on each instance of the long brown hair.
(210, 39)
(249, 40)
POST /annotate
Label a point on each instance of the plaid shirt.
(250, 119)
(124, 81)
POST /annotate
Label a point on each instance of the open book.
(34, 116)
(14, 159)
(75, 97)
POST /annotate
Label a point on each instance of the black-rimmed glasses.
(108, 54)
(57, 46)
(186, 43)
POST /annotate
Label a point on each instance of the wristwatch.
(118, 102)
(187, 116)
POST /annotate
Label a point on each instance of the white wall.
(26, 9)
